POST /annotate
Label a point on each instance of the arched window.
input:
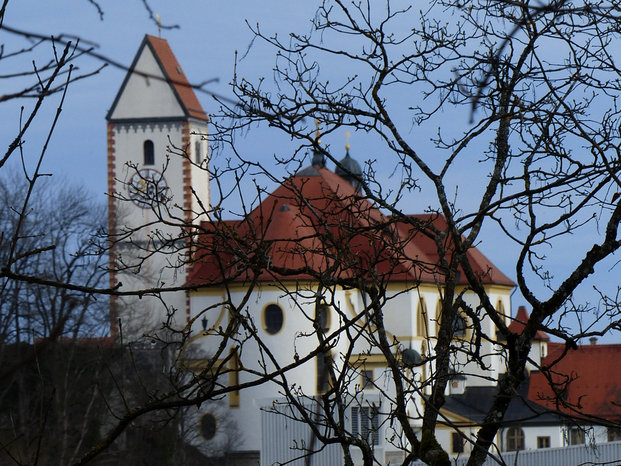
(273, 319)
(438, 315)
(421, 319)
(197, 153)
(500, 310)
(515, 439)
(324, 363)
(149, 152)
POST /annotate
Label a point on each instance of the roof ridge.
(181, 86)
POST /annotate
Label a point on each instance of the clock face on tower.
(148, 187)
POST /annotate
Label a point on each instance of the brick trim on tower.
(187, 306)
(187, 172)
(187, 198)
(112, 218)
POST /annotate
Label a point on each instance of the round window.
(208, 426)
(273, 318)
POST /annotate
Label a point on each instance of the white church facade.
(292, 311)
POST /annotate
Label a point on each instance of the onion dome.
(319, 160)
(349, 169)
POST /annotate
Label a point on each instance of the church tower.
(158, 185)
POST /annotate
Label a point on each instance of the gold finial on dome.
(317, 140)
(347, 135)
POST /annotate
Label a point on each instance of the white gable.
(148, 95)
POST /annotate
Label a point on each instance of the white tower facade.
(158, 184)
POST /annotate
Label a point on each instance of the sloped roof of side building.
(580, 382)
(475, 402)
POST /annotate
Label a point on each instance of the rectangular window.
(515, 439)
(614, 434)
(365, 423)
(576, 436)
(457, 443)
(543, 442)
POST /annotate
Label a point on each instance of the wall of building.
(165, 268)
(608, 453)
(297, 338)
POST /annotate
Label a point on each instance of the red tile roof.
(314, 224)
(586, 379)
(175, 76)
(519, 323)
(425, 247)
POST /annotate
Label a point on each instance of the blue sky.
(209, 33)
(205, 43)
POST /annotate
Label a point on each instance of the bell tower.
(158, 184)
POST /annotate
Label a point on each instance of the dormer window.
(148, 152)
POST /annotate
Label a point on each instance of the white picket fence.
(285, 440)
(608, 454)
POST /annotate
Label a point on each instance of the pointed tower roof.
(350, 170)
(155, 87)
(520, 321)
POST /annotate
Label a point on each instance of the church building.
(258, 296)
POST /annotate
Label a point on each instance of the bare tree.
(535, 86)
(66, 394)
(52, 236)
(63, 226)
(54, 288)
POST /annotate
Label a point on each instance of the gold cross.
(159, 24)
